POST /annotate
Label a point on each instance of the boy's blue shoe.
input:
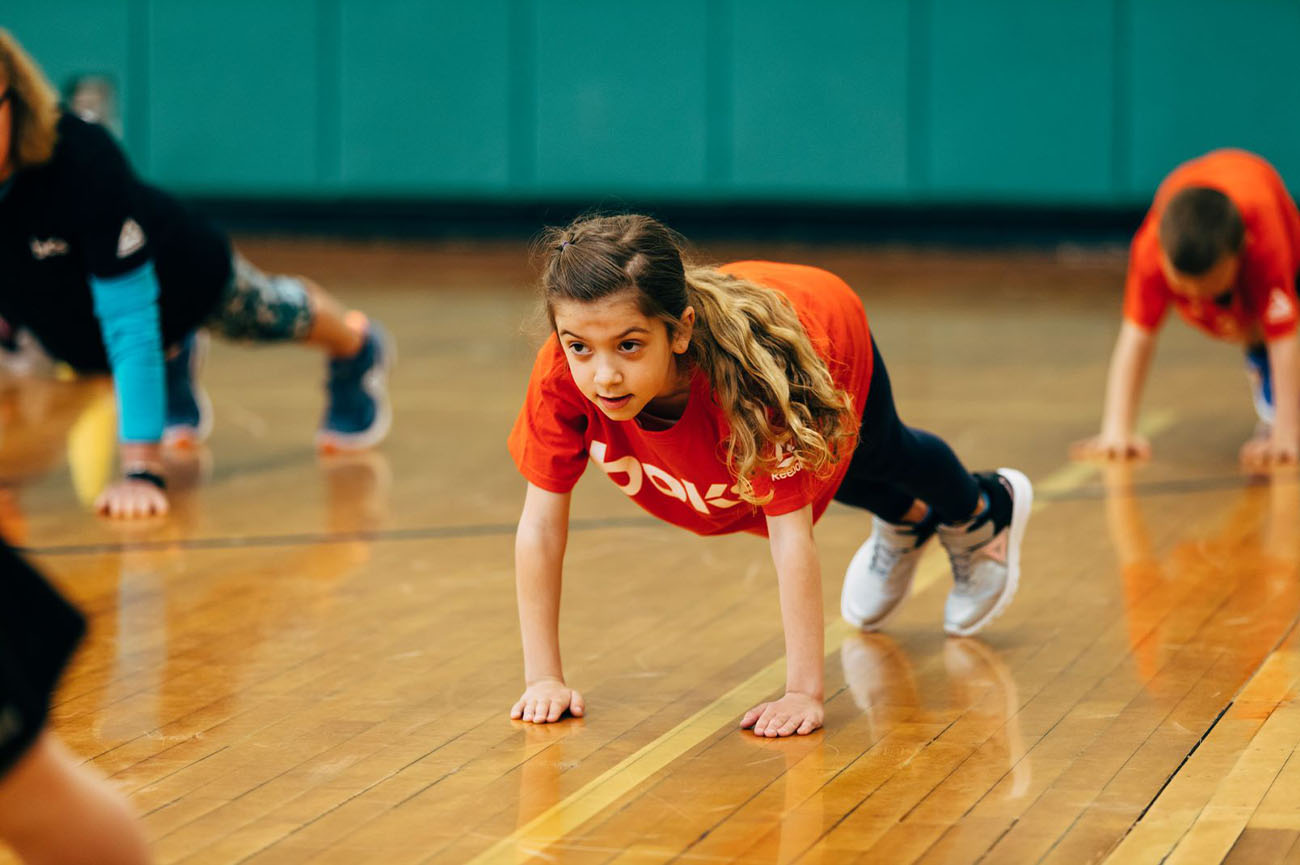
(359, 414)
(189, 411)
(1261, 382)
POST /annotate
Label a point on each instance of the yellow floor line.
(529, 840)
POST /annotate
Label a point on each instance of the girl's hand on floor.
(546, 701)
(792, 714)
(131, 499)
(1107, 447)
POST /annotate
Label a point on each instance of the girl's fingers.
(555, 711)
(576, 706)
(517, 710)
(807, 726)
(790, 725)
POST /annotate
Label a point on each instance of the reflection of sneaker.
(356, 490)
(1261, 382)
(880, 574)
(359, 414)
(877, 671)
(983, 683)
(985, 553)
(189, 411)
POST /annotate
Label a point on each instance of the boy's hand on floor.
(546, 701)
(131, 499)
(1266, 451)
(792, 714)
(1109, 447)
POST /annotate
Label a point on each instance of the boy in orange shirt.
(1221, 243)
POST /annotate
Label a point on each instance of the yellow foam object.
(92, 441)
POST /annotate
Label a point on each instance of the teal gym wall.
(1021, 102)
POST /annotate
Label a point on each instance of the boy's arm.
(1283, 444)
(1128, 371)
(539, 562)
(798, 572)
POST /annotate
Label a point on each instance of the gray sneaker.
(985, 554)
(880, 574)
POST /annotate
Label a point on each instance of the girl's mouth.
(614, 403)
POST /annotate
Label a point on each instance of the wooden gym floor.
(312, 660)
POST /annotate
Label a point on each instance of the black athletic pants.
(895, 464)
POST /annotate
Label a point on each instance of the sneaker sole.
(1022, 506)
(338, 443)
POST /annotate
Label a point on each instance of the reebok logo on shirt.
(1281, 309)
(786, 467)
(43, 249)
(131, 240)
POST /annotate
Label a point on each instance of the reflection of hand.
(1262, 452)
(793, 713)
(1105, 446)
(546, 701)
(131, 499)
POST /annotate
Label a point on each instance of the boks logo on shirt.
(43, 249)
(638, 472)
(1281, 309)
(131, 240)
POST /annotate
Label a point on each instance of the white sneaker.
(880, 574)
(985, 554)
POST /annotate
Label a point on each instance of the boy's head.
(1201, 235)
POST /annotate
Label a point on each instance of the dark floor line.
(472, 530)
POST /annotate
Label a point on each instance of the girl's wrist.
(817, 693)
(537, 680)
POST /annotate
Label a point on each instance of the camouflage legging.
(260, 307)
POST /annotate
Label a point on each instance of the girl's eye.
(629, 345)
(577, 348)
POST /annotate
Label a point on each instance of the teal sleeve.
(127, 309)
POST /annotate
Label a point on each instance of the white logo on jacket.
(681, 489)
(131, 239)
(43, 249)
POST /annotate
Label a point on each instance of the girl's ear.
(682, 335)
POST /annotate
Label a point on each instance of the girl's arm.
(1128, 372)
(127, 309)
(798, 572)
(1281, 446)
(539, 562)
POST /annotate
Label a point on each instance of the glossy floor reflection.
(312, 660)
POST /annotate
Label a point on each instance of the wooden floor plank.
(312, 660)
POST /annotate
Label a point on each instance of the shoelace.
(961, 565)
(884, 557)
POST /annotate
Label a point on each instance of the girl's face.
(619, 358)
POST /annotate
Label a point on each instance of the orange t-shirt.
(1265, 293)
(679, 474)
